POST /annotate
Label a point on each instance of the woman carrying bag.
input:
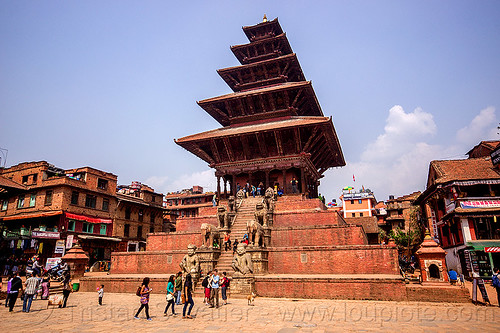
(170, 296)
(144, 293)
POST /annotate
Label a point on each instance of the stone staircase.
(238, 229)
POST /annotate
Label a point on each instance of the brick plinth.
(165, 241)
(437, 293)
(358, 259)
(318, 236)
(332, 287)
(148, 262)
(193, 224)
(307, 218)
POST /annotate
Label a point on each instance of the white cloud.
(165, 184)
(482, 127)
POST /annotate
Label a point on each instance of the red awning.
(87, 218)
(492, 249)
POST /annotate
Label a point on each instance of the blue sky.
(110, 84)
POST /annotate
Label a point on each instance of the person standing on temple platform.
(253, 191)
(227, 241)
(495, 281)
(260, 189)
(235, 245)
(294, 185)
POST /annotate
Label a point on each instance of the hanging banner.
(69, 241)
(480, 204)
(492, 249)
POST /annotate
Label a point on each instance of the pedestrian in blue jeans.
(32, 283)
(188, 296)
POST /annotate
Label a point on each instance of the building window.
(74, 198)
(153, 198)
(126, 230)
(102, 231)
(141, 215)
(102, 183)
(35, 178)
(139, 231)
(32, 200)
(360, 201)
(361, 214)
(152, 218)
(353, 214)
(352, 202)
(25, 179)
(71, 225)
(48, 198)
(127, 213)
(5, 202)
(90, 201)
(88, 227)
(20, 201)
(151, 228)
(105, 204)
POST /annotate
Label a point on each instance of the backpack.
(228, 282)
(138, 292)
(495, 281)
(204, 283)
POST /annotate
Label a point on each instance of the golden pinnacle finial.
(265, 18)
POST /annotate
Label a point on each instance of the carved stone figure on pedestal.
(256, 233)
(191, 262)
(230, 203)
(223, 217)
(269, 199)
(209, 233)
(242, 261)
(260, 215)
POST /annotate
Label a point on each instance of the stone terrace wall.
(305, 218)
(356, 259)
(148, 262)
(165, 241)
(194, 223)
(322, 235)
(296, 202)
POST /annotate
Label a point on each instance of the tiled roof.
(231, 131)
(410, 197)
(468, 169)
(369, 223)
(8, 183)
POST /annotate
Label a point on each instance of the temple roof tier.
(263, 30)
(262, 49)
(314, 136)
(263, 73)
(287, 99)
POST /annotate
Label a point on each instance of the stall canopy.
(87, 218)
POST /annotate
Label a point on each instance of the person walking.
(45, 287)
(178, 288)
(495, 281)
(145, 291)
(188, 295)
(170, 295)
(223, 287)
(32, 283)
(206, 285)
(9, 283)
(16, 284)
(66, 289)
(214, 291)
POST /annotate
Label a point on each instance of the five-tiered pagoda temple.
(273, 127)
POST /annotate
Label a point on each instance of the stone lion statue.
(269, 199)
(230, 203)
(260, 215)
(255, 233)
(240, 195)
(209, 233)
(242, 261)
(222, 217)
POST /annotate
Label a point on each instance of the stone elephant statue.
(255, 233)
(209, 233)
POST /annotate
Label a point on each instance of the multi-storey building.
(359, 208)
(461, 205)
(57, 207)
(399, 212)
(139, 212)
(187, 203)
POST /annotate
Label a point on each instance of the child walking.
(100, 292)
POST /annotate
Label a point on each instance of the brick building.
(57, 207)
(461, 205)
(139, 211)
(398, 212)
(187, 203)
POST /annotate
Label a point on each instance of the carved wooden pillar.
(218, 187)
(250, 178)
(233, 184)
(284, 182)
(267, 179)
(225, 187)
(302, 181)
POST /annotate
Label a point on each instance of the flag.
(353, 178)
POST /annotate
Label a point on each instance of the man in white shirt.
(214, 291)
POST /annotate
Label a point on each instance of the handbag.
(170, 297)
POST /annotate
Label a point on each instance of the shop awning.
(91, 237)
(481, 245)
(87, 218)
(31, 216)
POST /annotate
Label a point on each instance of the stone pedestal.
(267, 236)
(208, 258)
(259, 259)
(77, 259)
(242, 285)
(431, 258)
